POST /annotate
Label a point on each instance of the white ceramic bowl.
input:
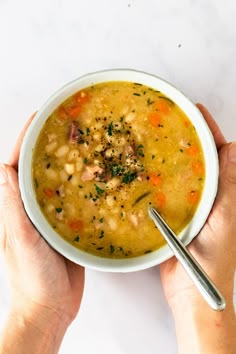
(26, 181)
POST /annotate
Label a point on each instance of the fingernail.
(3, 174)
(232, 152)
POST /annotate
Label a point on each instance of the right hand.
(215, 246)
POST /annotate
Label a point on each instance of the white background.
(43, 45)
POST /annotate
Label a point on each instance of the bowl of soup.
(104, 149)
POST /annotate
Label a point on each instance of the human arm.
(200, 329)
(46, 288)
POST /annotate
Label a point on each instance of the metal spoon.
(205, 286)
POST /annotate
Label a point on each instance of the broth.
(108, 153)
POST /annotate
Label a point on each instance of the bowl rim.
(26, 181)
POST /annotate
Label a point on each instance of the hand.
(45, 285)
(215, 246)
(200, 329)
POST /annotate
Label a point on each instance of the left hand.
(44, 283)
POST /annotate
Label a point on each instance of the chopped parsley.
(85, 160)
(76, 239)
(112, 249)
(58, 210)
(128, 177)
(110, 129)
(181, 150)
(136, 94)
(140, 150)
(99, 191)
(115, 170)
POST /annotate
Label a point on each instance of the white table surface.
(43, 45)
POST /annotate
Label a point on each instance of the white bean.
(60, 215)
(124, 110)
(73, 155)
(69, 168)
(51, 137)
(113, 183)
(50, 208)
(99, 148)
(134, 219)
(62, 151)
(97, 136)
(63, 175)
(51, 174)
(51, 147)
(79, 164)
(112, 223)
(130, 117)
(75, 180)
(110, 200)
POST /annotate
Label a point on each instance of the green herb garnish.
(110, 129)
(99, 191)
(128, 177)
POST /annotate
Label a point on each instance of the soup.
(107, 154)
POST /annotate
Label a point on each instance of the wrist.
(209, 330)
(191, 297)
(38, 331)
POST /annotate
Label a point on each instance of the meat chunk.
(75, 134)
(91, 172)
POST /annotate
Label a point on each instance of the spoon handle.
(206, 287)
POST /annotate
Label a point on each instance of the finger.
(13, 160)
(216, 132)
(227, 181)
(13, 218)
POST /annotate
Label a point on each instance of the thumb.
(17, 228)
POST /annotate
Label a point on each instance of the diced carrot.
(49, 192)
(154, 179)
(76, 225)
(187, 123)
(154, 118)
(82, 97)
(162, 106)
(193, 197)
(161, 200)
(198, 168)
(192, 150)
(74, 111)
